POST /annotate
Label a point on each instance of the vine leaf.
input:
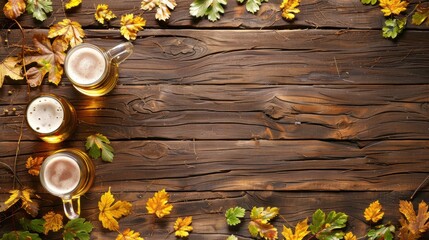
(301, 230)
(374, 212)
(25, 195)
(421, 15)
(252, 5)
(367, 2)
(33, 165)
(77, 228)
(182, 227)
(11, 67)
(129, 234)
(14, 8)
(233, 215)
(39, 8)
(162, 12)
(53, 222)
(71, 31)
(393, 27)
(210, 8)
(99, 145)
(412, 224)
(158, 204)
(289, 9)
(103, 13)
(131, 25)
(259, 224)
(20, 235)
(325, 226)
(389, 7)
(381, 232)
(110, 211)
(72, 3)
(34, 225)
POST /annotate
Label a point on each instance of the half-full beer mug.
(94, 71)
(68, 174)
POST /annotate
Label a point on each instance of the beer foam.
(61, 175)
(85, 65)
(45, 114)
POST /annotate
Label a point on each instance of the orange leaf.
(181, 226)
(71, 30)
(158, 204)
(129, 234)
(130, 25)
(14, 8)
(389, 7)
(374, 212)
(413, 225)
(301, 230)
(53, 221)
(110, 212)
(33, 165)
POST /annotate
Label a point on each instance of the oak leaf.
(374, 212)
(182, 226)
(110, 211)
(25, 195)
(162, 12)
(102, 13)
(421, 15)
(129, 234)
(259, 224)
(301, 230)
(39, 8)
(14, 8)
(33, 165)
(252, 5)
(72, 4)
(389, 7)
(233, 215)
(130, 26)
(210, 8)
(77, 228)
(53, 222)
(412, 224)
(158, 204)
(350, 236)
(71, 31)
(11, 67)
(289, 9)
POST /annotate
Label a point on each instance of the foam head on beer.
(85, 65)
(45, 114)
(61, 175)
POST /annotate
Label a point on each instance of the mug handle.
(69, 209)
(120, 52)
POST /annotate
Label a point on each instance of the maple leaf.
(420, 15)
(99, 145)
(130, 26)
(72, 4)
(33, 165)
(33, 225)
(301, 230)
(129, 234)
(233, 215)
(323, 225)
(389, 7)
(381, 232)
(232, 237)
(158, 204)
(39, 8)
(53, 221)
(413, 225)
(181, 226)
(252, 5)
(372, 2)
(259, 224)
(21, 235)
(102, 12)
(71, 30)
(350, 236)
(77, 228)
(289, 9)
(210, 8)
(374, 212)
(25, 195)
(393, 27)
(49, 59)
(162, 12)
(110, 211)
(10, 67)
(14, 8)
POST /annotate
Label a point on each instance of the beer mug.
(68, 174)
(51, 117)
(94, 71)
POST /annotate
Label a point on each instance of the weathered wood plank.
(364, 112)
(248, 165)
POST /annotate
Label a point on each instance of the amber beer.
(51, 117)
(94, 71)
(68, 173)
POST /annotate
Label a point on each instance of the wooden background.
(322, 112)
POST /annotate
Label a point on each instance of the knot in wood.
(154, 150)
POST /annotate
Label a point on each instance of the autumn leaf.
(381, 232)
(129, 234)
(110, 211)
(393, 27)
(102, 13)
(14, 197)
(326, 226)
(301, 230)
(252, 5)
(33, 225)
(11, 67)
(412, 224)
(99, 145)
(162, 12)
(130, 26)
(372, 2)
(389, 7)
(350, 236)
(233, 215)
(25, 195)
(77, 228)
(289, 9)
(33, 165)
(259, 224)
(210, 8)
(72, 3)
(21, 235)
(53, 222)
(374, 212)
(421, 15)
(71, 31)
(39, 8)
(14, 8)
(232, 237)
(158, 204)
(182, 226)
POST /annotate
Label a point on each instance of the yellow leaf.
(181, 226)
(30, 206)
(110, 212)
(162, 12)
(301, 230)
(103, 13)
(350, 236)
(130, 25)
(14, 8)
(71, 30)
(53, 222)
(129, 234)
(414, 225)
(389, 7)
(10, 67)
(289, 9)
(374, 212)
(33, 165)
(158, 204)
(73, 3)
(14, 197)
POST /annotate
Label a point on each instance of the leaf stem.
(15, 177)
(419, 187)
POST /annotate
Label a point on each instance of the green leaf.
(233, 215)
(381, 232)
(34, 225)
(232, 237)
(210, 8)
(98, 145)
(393, 27)
(420, 16)
(20, 235)
(372, 2)
(317, 222)
(264, 214)
(39, 8)
(323, 225)
(253, 5)
(77, 229)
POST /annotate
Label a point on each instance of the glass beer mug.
(51, 117)
(94, 71)
(68, 174)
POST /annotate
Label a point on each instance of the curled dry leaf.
(289, 9)
(110, 211)
(103, 13)
(71, 31)
(33, 165)
(162, 12)
(72, 4)
(182, 226)
(11, 67)
(14, 8)
(130, 26)
(374, 212)
(129, 234)
(53, 222)
(158, 204)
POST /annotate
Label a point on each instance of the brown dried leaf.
(14, 8)
(414, 224)
(10, 67)
(33, 165)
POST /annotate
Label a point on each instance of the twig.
(419, 187)
(15, 178)
(22, 48)
(336, 66)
